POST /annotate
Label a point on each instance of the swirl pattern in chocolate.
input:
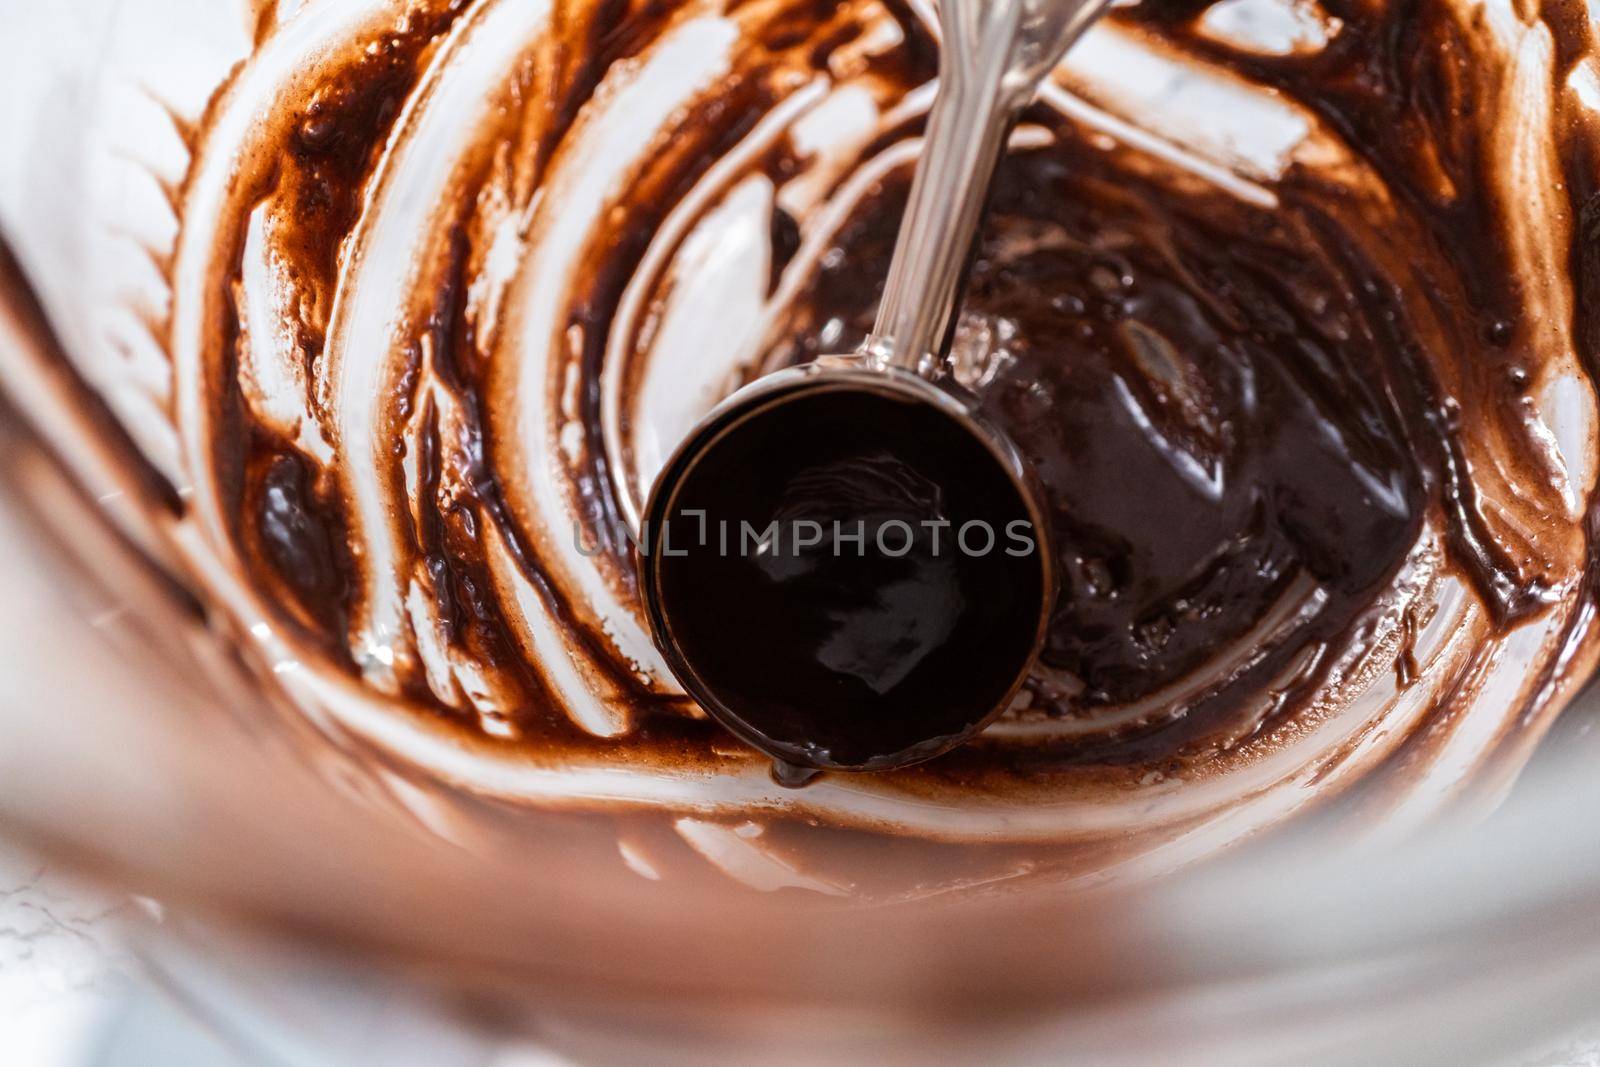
(1294, 322)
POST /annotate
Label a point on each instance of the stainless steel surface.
(994, 56)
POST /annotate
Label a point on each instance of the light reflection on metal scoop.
(761, 656)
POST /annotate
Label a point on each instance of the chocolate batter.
(852, 578)
(1199, 396)
(435, 319)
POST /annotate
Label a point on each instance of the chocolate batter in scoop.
(1297, 330)
(857, 582)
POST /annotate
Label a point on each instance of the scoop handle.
(994, 54)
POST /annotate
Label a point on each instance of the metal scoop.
(830, 661)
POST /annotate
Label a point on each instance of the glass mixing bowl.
(166, 731)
